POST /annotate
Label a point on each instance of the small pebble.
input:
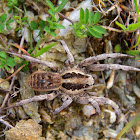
(110, 133)
(25, 130)
(88, 110)
(112, 115)
(136, 90)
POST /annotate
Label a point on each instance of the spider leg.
(33, 99)
(103, 101)
(102, 67)
(65, 104)
(87, 100)
(95, 105)
(96, 101)
(91, 60)
(69, 54)
(51, 65)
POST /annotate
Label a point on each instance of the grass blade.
(60, 7)
(136, 6)
(128, 126)
(43, 50)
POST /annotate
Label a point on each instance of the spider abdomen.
(44, 81)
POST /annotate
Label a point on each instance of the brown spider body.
(44, 81)
(71, 81)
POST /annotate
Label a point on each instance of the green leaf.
(86, 17)
(96, 17)
(17, 29)
(12, 3)
(6, 67)
(24, 23)
(10, 62)
(3, 17)
(49, 20)
(52, 14)
(94, 33)
(46, 48)
(2, 26)
(25, 68)
(3, 54)
(121, 25)
(81, 15)
(133, 52)
(9, 27)
(60, 7)
(136, 6)
(99, 29)
(24, 18)
(18, 21)
(42, 24)
(91, 17)
(117, 48)
(33, 25)
(138, 42)
(47, 29)
(126, 44)
(2, 59)
(16, 17)
(50, 4)
(2, 64)
(53, 34)
(9, 21)
(133, 26)
(58, 26)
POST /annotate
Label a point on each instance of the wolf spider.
(73, 82)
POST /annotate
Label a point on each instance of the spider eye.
(43, 81)
(49, 83)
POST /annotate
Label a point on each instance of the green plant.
(12, 3)
(88, 24)
(49, 26)
(51, 23)
(5, 61)
(5, 23)
(117, 48)
(20, 21)
(130, 27)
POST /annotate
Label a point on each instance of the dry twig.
(5, 122)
